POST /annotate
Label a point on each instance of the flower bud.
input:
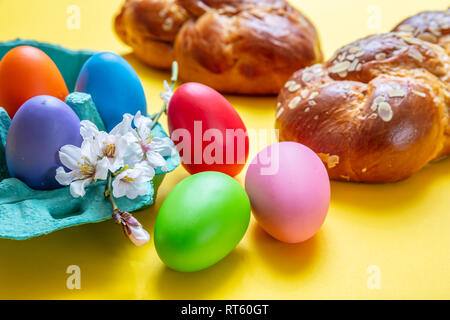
(138, 235)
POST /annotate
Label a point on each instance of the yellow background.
(403, 229)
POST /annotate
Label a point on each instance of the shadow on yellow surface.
(396, 197)
(202, 284)
(254, 104)
(286, 260)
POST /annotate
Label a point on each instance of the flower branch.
(126, 158)
(167, 94)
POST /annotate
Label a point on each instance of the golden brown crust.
(150, 28)
(244, 47)
(253, 51)
(199, 7)
(377, 111)
(431, 26)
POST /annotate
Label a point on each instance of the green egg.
(201, 221)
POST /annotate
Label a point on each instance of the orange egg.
(26, 72)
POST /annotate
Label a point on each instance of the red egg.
(26, 72)
(207, 130)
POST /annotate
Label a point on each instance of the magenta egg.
(41, 126)
(289, 190)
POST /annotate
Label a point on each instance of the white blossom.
(114, 148)
(153, 149)
(132, 182)
(84, 165)
(118, 147)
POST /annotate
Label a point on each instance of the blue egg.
(41, 126)
(114, 86)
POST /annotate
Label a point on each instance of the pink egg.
(289, 190)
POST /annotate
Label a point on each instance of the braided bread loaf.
(234, 46)
(378, 110)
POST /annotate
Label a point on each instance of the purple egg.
(41, 126)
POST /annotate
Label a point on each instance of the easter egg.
(26, 72)
(114, 86)
(209, 133)
(201, 221)
(42, 125)
(289, 191)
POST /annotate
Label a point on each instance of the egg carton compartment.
(27, 213)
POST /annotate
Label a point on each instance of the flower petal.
(143, 172)
(77, 188)
(88, 130)
(155, 160)
(140, 120)
(64, 178)
(123, 127)
(70, 156)
(132, 153)
(90, 151)
(137, 190)
(101, 169)
(143, 126)
(119, 187)
(164, 146)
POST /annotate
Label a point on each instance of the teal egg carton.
(26, 213)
